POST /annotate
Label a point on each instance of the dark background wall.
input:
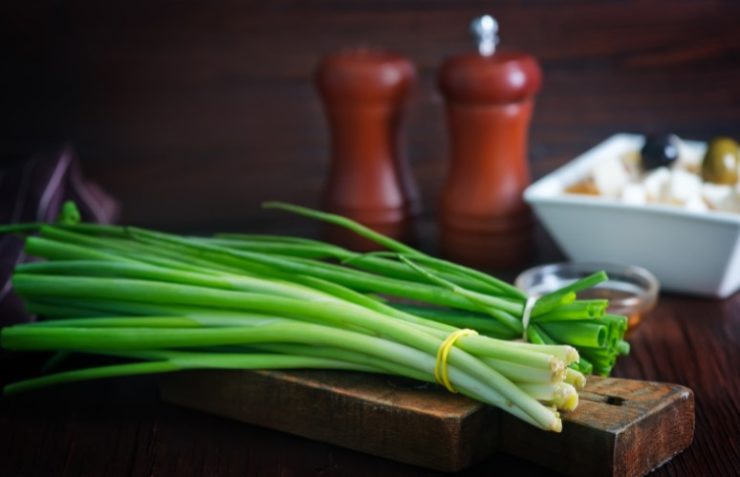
(193, 112)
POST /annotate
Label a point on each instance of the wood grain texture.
(193, 112)
(628, 427)
(393, 418)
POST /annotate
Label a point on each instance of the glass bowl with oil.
(632, 291)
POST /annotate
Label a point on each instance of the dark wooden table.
(120, 427)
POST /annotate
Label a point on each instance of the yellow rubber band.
(440, 367)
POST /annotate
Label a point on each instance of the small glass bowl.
(632, 291)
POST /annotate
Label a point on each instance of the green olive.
(721, 161)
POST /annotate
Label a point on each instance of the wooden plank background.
(193, 112)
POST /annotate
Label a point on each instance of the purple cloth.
(34, 191)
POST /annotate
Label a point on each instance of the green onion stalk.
(162, 302)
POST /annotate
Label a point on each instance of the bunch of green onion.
(165, 303)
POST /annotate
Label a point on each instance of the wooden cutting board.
(622, 427)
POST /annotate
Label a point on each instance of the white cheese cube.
(683, 186)
(689, 157)
(715, 194)
(656, 184)
(696, 203)
(731, 203)
(634, 194)
(610, 176)
(633, 165)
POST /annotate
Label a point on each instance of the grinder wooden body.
(484, 220)
(364, 91)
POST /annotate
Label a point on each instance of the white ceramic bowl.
(690, 252)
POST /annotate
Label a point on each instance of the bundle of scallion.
(260, 302)
(447, 292)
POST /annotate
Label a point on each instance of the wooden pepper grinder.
(489, 96)
(364, 91)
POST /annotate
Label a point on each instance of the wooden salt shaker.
(490, 97)
(364, 91)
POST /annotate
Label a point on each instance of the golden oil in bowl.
(632, 291)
